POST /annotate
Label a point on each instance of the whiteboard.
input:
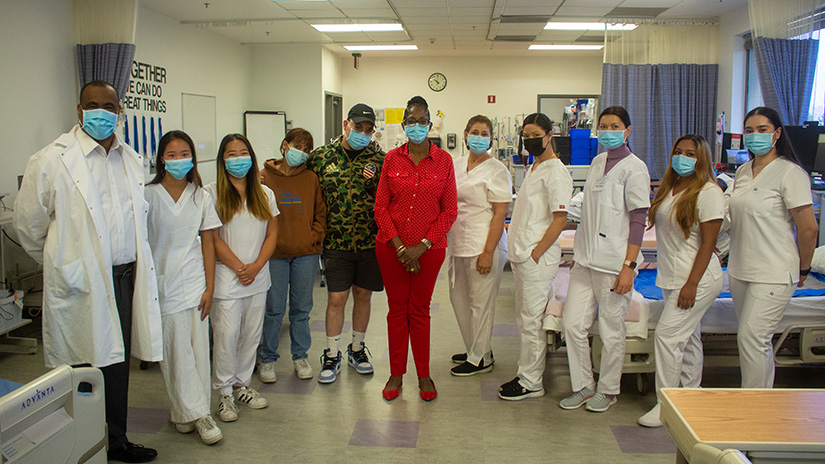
(265, 131)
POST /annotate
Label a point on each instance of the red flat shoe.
(429, 396)
(390, 395)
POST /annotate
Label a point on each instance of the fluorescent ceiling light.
(370, 48)
(565, 47)
(560, 26)
(358, 27)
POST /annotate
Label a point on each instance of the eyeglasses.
(360, 127)
(413, 121)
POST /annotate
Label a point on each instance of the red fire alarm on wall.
(491, 98)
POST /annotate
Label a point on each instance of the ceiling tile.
(331, 13)
(650, 3)
(418, 3)
(299, 5)
(426, 20)
(418, 12)
(586, 11)
(528, 11)
(472, 3)
(603, 3)
(346, 4)
(471, 20)
(534, 3)
(369, 13)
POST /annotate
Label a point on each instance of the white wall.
(39, 81)
(181, 49)
(289, 78)
(515, 81)
(732, 62)
(332, 72)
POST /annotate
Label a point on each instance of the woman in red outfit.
(415, 207)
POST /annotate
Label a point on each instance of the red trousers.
(409, 296)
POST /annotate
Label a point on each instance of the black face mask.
(534, 146)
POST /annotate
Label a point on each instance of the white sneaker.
(185, 427)
(651, 419)
(208, 430)
(267, 373)
(600, 402)
(251, 398)
(302, 369)
(227, 410)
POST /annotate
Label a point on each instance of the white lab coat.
(59, 220)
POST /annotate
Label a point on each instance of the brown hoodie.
(302, 222)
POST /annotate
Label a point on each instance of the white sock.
(334, 345)
(358, 340)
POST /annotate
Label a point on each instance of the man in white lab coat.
(81, 213)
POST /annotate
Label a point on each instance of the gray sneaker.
(600, 402)
(577, 399)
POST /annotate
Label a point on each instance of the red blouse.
(416, 202)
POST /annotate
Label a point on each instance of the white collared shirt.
(675, 254)
(547, 188)
(478, 189)
(109, 175)
(762, 233)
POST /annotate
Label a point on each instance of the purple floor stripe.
(638, 439)
(289, 384)
(434, 307)
(505, 330)
(147, 420)
(392, 434)
(441, 276)
(321, 326)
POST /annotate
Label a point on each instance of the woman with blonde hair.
(687, 211)
(243, 247)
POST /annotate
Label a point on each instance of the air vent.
(523, 19)
(629, 12)
(515, 38)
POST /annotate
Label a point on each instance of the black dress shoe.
(131, 452)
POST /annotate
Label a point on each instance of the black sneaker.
(467, 368)
(131, 452)
(459, 358)
(513, 391)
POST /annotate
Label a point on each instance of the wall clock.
(437, 82)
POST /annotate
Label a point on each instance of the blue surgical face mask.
(417, 133)
(611, 139)
(179, 168)
(478, 144)
(239, 165)
(358, 140)
(683, 165)
(759, 143)
(295, 157)
(99, 124)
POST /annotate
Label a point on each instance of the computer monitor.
(807, 143)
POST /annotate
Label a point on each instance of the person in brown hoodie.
(295, 262)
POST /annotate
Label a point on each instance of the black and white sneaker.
(513, 391)
(459, 358)
(467, 368)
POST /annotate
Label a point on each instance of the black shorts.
(343, 269)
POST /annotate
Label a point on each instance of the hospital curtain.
(105, 34)
(786, 48)
(665, 75)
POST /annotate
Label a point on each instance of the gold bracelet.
(400, 249)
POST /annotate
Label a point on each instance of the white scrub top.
(478, 189)
(676, 254)
(601, 238)
(173, 236)
(244, 234)
(545, 190)
(763, 246)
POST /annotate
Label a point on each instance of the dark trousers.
(116, 376)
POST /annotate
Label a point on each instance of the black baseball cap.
(360, 113)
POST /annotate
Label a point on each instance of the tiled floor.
(349, 421)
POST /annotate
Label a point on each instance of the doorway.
(333, 116)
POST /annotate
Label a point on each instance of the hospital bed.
(800, 335)
(50, 421)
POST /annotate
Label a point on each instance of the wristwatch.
(804, 272)
(630, 264)
(427, 243)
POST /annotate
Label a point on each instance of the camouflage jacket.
(349, 188)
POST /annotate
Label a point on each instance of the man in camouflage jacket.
(348, 170)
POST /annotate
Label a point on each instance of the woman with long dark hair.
(773, 236)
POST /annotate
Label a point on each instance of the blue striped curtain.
(110, 62)
(786, 75)
(665, 101)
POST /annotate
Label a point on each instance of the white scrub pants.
(185, 365)
(677, 339)
(534, 288)
(589, 288)
(236, 332)
(759, 308)
(473, 296)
